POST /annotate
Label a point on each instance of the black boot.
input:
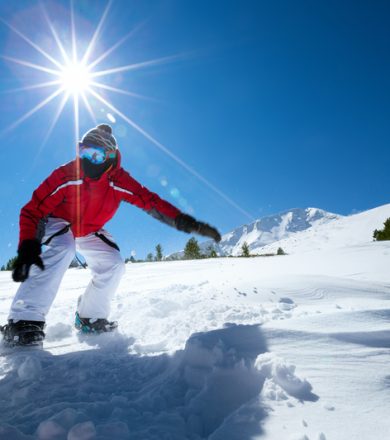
(23, 333)
(87, 325)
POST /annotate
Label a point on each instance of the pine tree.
(192, 249)
(383, 234)
(245, 250)
(9, 265)
(149, 257)
(159, 254)
(280, 251)
(211, 252)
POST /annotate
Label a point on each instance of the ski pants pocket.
(107, 240)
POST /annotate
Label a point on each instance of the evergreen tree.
(149, 257)
(192, 249)
(245, 250)
(159, 254)
(211, 252)
(280, 251)
(383, 234)
(9, 265)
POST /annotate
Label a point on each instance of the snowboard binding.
(95, 326)
(23, 333)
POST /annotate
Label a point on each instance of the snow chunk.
(219, 369)
(50, 430)
(82, 431)
(283, 375)
(29, 369)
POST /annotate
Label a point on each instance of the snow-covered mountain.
(300, 230)
(269, 229)
(352, 230)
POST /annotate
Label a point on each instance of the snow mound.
(105, 392)
(282, 380)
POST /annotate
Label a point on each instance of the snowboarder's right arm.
(45, 198)
(48, 195)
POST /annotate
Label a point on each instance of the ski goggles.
(95, 154)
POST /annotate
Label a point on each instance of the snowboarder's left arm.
(135, 193)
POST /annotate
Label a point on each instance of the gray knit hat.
(100, 136)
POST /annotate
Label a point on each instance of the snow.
(285, 347)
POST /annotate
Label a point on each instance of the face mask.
(94, 171)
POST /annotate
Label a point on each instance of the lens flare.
(75, 78)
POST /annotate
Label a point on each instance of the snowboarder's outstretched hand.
(28, 254)
(187, 223)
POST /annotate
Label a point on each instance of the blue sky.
(276, 104)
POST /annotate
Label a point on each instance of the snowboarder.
(67, 212)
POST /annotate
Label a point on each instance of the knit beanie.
(100, 136)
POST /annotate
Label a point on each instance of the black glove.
(187, 223)
(28, 254)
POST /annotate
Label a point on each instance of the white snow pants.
(35, 295)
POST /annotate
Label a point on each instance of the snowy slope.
(289, 347)
(344, 231)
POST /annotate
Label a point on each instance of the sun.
(75, 78)
(78, 79)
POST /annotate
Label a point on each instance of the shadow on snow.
(208, 390)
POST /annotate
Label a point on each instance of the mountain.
(270, 229)
(352, 230)
(267, 230)
(300, 230)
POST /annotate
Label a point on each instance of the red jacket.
(87, 204)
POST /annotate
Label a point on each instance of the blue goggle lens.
(96, 155)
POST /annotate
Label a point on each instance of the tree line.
(193, 251)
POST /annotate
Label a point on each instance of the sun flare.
(75, 78)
